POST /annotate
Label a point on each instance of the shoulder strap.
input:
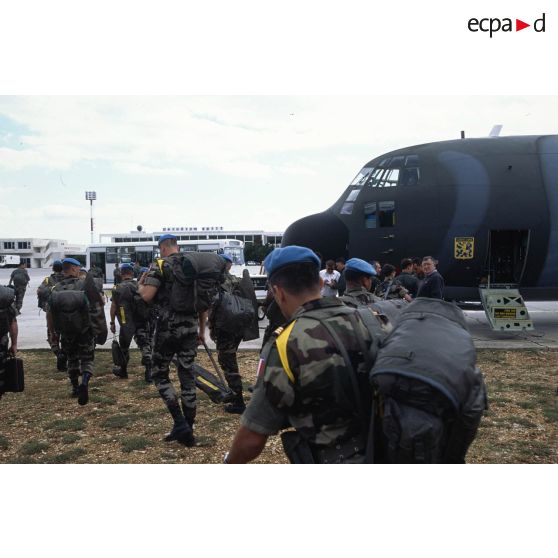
(281, 343)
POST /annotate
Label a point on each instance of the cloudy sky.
(237, 162)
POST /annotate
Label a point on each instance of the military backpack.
(43, 292)
(7, 298)
(196, 279)
(69, 307)
(428, 394)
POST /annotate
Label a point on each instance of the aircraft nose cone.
(321, 232)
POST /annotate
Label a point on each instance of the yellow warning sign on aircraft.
(464, 247)
(505, 313)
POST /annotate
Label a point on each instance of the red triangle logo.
(519, 25)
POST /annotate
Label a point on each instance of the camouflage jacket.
(394, 289)
(231, 284)
(303, 380)
(358, 297)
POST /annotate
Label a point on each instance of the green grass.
(102, 399)
(72, 424)
(135, 443)
(118, 421)
(68, 456)
(32, 447)
(70, 438)
(551, 412)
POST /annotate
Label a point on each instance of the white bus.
(107, 256)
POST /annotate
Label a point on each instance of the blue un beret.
(166, 237)
(226, 257)
(126, 267)
(57, 262)
(360, 266)
(71, 261)
(280, 257)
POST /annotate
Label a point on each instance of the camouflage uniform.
(4, 345)
(45, 287)
(133, 317)
(359, 297)
(227, 343)
(304, 382)
(79, 347)
(175, 334)
(396, 290)
(20, 279)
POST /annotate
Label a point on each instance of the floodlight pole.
(91, 196)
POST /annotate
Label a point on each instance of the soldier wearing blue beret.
(133, 316)
(180, 327)
(302, 370)
(77, 319)
(43, 292)
(358, 275)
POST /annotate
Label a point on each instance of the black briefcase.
(13, 375)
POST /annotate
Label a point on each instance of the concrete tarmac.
(32, 323)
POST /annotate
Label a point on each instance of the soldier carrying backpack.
(229, 317)
(183, 286)
(354, 391)
(8, 331)
(133, 315)
(43, 294)
(76, 315)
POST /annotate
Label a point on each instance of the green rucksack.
(69, 307)
(196, 280)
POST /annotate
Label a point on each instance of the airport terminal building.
(197, 233)
(38, 252)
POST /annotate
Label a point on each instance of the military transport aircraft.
(486, 208)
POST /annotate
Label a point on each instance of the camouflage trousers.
(20, 293)
(227, 347)
(178, 339)
(142, 338)
(54, 345)
(80, 351)
(4, 342)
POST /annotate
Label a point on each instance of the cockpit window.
(375, 177)
(361, 178)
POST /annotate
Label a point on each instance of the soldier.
(43, 293)
(133, 317)
(176, 334)
(76, 315)
(227, 344)
(358, 276)
(8, 330)
(306, 378)
(407, 277)
(390, 288)
(20, 279)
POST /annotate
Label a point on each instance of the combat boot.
(75, 387)
(120, 372)
(183, 434)
(61, 362)
(190, 415)
(236, 406)
(83, 389)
